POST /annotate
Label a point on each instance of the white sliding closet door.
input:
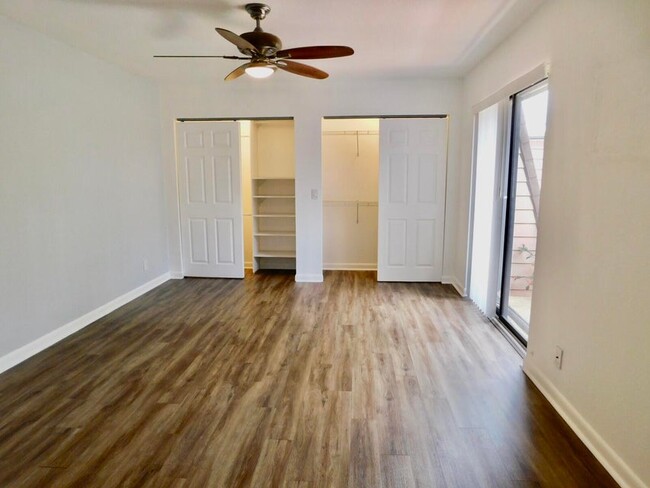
(412, 175)
(209, 176)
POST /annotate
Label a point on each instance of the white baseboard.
(453, 281)
(611, 461)
(176, 275)
(350, 266)
(309, 278)
(21, 354)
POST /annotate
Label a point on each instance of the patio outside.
(529, 180)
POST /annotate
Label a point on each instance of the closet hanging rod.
(349, 204)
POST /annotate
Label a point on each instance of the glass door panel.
(524, 180)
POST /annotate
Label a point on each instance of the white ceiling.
(391, 38)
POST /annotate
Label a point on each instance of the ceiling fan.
(264, 52)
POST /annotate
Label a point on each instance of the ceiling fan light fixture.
(260, 70)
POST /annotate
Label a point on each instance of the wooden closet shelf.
(275, 234)
(257, 178)
(286, 216)
(275, 254)
(287, 197)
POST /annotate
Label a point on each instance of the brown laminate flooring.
(266, 382)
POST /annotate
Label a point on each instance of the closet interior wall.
(350, 193)
(245, 128)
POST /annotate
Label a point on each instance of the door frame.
(509, 183)
(501, 96)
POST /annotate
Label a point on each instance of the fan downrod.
(258, 11)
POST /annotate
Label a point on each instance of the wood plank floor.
(266, 382)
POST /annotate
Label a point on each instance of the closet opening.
(384, 190)
(350, 156)
(268, 187)
(236, 195)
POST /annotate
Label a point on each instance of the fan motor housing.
(265, 42)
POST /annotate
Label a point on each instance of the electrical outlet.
(145, 264)
(559, 354)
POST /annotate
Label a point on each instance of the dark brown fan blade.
(301, 69)
(236, 73)
(238, 41)
(316, 52)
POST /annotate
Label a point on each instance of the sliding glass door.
(522, 184)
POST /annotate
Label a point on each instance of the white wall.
(81, 192)
(275, 145)
(592, 264)
(307, 101)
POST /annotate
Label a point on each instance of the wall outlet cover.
(559, 353)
